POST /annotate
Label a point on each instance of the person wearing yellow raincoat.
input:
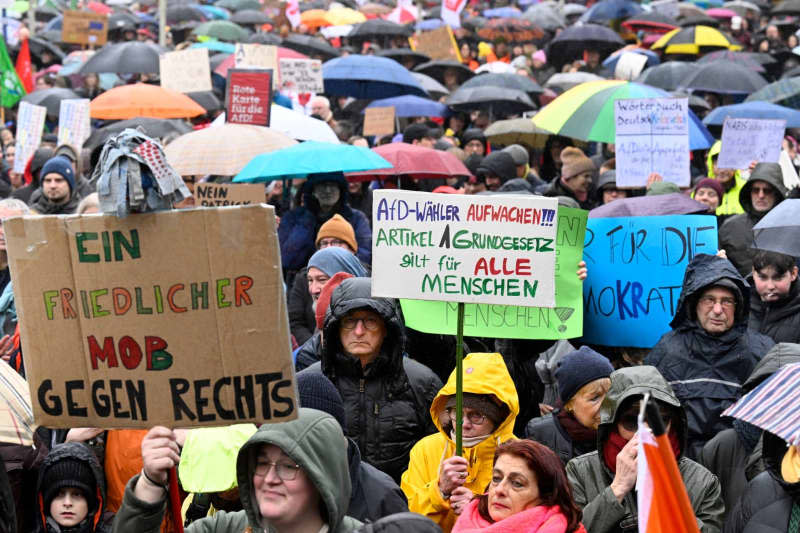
(731, 181)
(437, 484)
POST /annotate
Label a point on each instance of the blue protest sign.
(636, 267)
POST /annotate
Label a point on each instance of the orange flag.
(24, 70)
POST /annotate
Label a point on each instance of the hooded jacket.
(72, 450)
(736, 233)
(484, 373)
(374, 494)
(591, 478)
(729, 203)
(298, 229)
(707, 371)
(501, 164)
(779, 320)
(386, 401)
(314, 441)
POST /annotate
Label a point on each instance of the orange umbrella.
(314, 18)
(143, 100)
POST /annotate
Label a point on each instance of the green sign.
(564, 321)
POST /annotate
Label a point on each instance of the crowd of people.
(549, 428)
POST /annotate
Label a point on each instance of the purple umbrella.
(642, 206)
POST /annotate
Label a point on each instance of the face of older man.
(716, 310)
(361, 333)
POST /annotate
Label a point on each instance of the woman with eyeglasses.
(603, 481)
(293, 478)
(438, 483)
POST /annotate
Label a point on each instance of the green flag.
(11, 90)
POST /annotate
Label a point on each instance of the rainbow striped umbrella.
(586, 112)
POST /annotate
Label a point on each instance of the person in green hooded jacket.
(293, 478)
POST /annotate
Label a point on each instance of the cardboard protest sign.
(257, 56)
(74, 125)
(749, 139)
(30, 124)
(157, 318)
(629, 65)
(379, 121)
(221, 194)
(436, 44)
(636, 267)
(652, 135)
(302, 75)
(458, 248)
(84, 27)
(565, 321)
(249, 96)
(186, 71)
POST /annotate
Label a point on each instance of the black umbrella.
(724, 77)
(405, 56)
(667, 76)
(122, 21)
(264, 38)
(654, 17)
(791, 73)
(127, 57)
(431, 86)
(39, 46)
(736, 57)
(571, 43)
(699, 19)
(207, 100)
(506, 81)
(311, 46)
(250, 16)
(378, 28)
(436, 70)
(217, 59)
(182, 17)
(154, 127)
(696, 103)
(473, 24)
(789, 7)
(50, 98)
(494, 100)
(779, 230)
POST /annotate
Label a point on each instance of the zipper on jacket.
(361, 385)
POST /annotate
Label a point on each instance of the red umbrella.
(283, 53)
(99, 8)
(415, 161)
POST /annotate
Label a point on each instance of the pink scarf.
(534, 520)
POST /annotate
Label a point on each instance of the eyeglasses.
(324, 243)
(370, 323)
(630, 420)
(766, 190)
(710, 301)
(285, 471)
(474, 417)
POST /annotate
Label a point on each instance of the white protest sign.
(263, 56)
(186, 71)
(629, 65)
(750, 139)
(302, 75)
(74, 125)
(652, 135)
(30, 123)
(464, 248)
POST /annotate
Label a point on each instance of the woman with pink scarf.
(529, 493)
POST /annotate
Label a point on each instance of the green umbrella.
(238, 5)
(20, 6)
(222, 30)
(785, 92)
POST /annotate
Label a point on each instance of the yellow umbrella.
(693, 40)
(314, 18)
(344, 15)
(16, 415)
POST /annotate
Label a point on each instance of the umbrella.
(545, 15)
(696, 103)
(239, 5)
(491, 99)
(643, 206)
(223, 30)
(761, 110)
(516, 131)
(785, 92)
(412, 106)
(213, 12)
(310, 157)
(667, 76)
(652, 21)
(436, 70)
(250, 16)
(502, 12)
(207, 99)
(415, 161)
(311, 46)
(721, 13)
(300, 126)
(701, 19)
(182, 17)
(143, 100)
(572, 42)
(788, 7)
(122, 21)
(16, 414)
(229, 62)
(216, 46)
(694, 41)
(772, 406)
(405, 56)
(50, 98)
(506, 81)
(223, 150)
(514, 30)
(607, 10)
(779, 230)
(573, 10)
(378, 28)
(368, 78)
(586, 112)
(611, 61)
(264, 38)
(473, 24)
(157, 128)
(564, 81)
(741, 58)
(343, 16)
(314, 18)
(40, 46)
(430, 85)
(126, 57)
(372, 8)
(742, 7)
(724, 77)
(496, 67)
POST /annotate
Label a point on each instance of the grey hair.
(16, 204)
(92, 200)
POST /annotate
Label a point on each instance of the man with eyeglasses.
(386, 394)
(710, 351)
(763, 191)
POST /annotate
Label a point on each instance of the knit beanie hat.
(663, 187)
(70, 472)
(708, 183)
(578, 368)
(338, 228)
(484, 404)
(324, 299)
(574, 162)
(62, 166)
(334, 259)
(518, 153)
(316, 391)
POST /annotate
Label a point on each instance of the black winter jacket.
(780, 320)
(548, 430)
(707, 371)
(386, 402)
(374, 494)
(8, 515)
(308, 353)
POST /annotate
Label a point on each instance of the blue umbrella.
(413, 106)
(652, 58)
(368, 78)
(429, 24)
(216, 46)
(310, 157)
(212, 12)
(763, 110)
(54, 23)
(606, 10)
(502, 12)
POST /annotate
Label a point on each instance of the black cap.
(415, 132)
